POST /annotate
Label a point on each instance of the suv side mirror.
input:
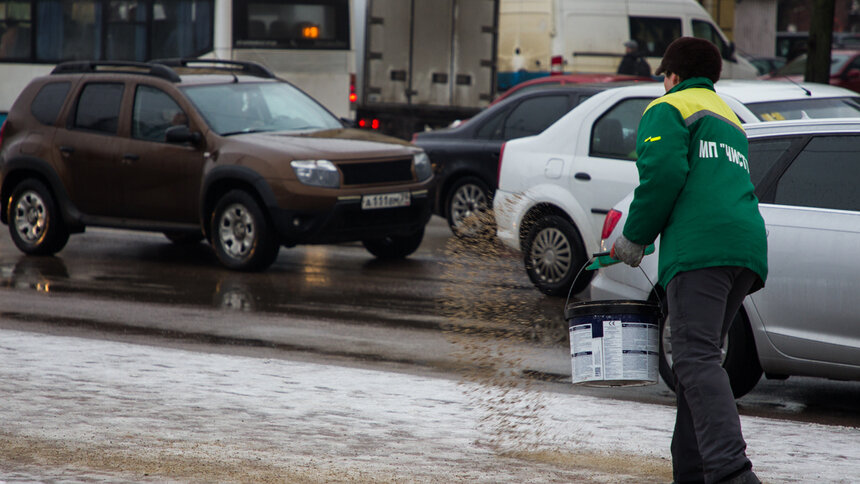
(182, 134)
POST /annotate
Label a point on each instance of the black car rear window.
(48, 102)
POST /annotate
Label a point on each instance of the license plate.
(385, 200)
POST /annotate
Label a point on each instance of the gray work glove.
(627, 252)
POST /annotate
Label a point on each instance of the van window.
(654, 34)
(705, 30)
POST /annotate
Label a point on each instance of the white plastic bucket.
(614, 343)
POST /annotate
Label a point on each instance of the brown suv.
(194, 149)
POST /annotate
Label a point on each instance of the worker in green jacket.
(695, 192)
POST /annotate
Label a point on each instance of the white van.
(543, 36)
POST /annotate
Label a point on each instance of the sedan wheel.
(554, 255)
(468, 204)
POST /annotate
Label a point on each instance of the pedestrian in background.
(633, 63)
(695, 192)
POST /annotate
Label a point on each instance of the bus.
(307, 42)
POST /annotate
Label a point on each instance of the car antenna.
(807, 91)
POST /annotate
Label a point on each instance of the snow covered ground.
(82, 410)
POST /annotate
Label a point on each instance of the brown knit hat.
(690, 57)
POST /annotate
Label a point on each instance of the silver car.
(806, 321)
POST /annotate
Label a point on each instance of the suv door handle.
(66, 150)
(129, 157)
(582, 176)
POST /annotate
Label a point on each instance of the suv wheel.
(34, 220)
(240, 233)
(394, 246)
(554, 255)
(468, 199)
(739, 357)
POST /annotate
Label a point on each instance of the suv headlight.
(318, 173)
(422, 166)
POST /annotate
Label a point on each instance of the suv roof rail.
(149, 68)
(246, 67)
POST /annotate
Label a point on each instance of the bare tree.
(820, 40)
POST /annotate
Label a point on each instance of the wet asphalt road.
(448, 309)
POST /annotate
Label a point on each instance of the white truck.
(423, 63)
(539, 37)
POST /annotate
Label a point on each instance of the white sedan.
(805, 320)
(556, 187)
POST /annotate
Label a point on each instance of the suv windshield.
(838, 107)
(256, 107)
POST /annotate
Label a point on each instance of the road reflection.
(35, 273)
(333, 281)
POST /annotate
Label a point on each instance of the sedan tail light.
(609, 223)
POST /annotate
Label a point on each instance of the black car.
(466, 158)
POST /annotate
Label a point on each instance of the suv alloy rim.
(469, 199)
(551, 255)
(30, 216)
(236, 231)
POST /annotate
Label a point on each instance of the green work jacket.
(694, 185)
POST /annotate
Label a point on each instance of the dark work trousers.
(707, 445)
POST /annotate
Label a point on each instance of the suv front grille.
(377, 172)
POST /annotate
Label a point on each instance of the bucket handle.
(603, 259)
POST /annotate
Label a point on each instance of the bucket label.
(586, 354)
(613, 344)
(614, 350)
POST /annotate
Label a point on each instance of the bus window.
(297, 24)
(126, 30)
(68, 30)
(105, 29)
(15, 28)
(181, 28)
